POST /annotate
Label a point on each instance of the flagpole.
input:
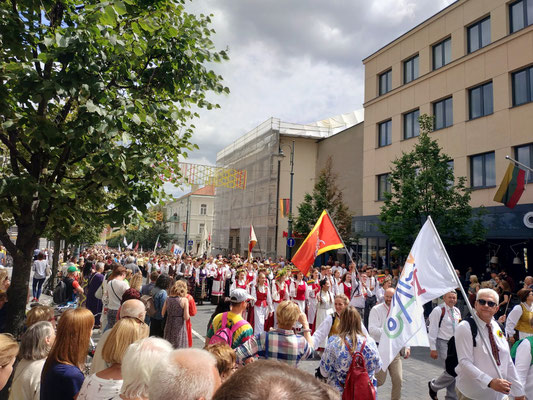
(519, 163)
(460, 286)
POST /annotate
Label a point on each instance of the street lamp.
(289, 230)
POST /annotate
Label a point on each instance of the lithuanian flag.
(323, 237)
(512, 186)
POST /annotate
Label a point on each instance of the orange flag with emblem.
(323, 237)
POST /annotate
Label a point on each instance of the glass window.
(443, 113)
(385, 133)
(203, 209)
(411, 127)
(383, 186)
(478, 35)
(520, 14)
(385, 82)
(480, 101)
(524, 155)
(482, 170)
(201, 228)
(522, 82)
(410, 69)
(442, 53)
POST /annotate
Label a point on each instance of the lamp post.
(289, 228)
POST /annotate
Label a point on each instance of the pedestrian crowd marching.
(269, 318)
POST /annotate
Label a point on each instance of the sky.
(299, 61)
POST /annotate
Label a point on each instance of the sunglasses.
(487, 303)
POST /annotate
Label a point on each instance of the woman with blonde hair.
(4, 280)
(136, 281)
(35, 345)
(40, 313)
(107, 383)
(176, 308)
(62, 375)
(9, 349)
(337, 356)
(472, 289)
(226, 359)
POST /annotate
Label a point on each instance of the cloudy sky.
(296, 60)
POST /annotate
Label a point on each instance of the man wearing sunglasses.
(477, 377)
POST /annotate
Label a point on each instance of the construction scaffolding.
(205, 175)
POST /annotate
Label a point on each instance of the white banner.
(427, 274)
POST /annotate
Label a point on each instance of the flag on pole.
(427, 274)
(136, 246)
(323, 237)
(156, 243)
(284, 205)
(130, 246)
(119, 248)
(125, 242)
(512, 186)
(252, 242)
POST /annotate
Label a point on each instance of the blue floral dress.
(336, 360)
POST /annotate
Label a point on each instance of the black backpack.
(451, 355)
(60, 293)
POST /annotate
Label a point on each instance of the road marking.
(198, 335)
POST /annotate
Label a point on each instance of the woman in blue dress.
(336, 359)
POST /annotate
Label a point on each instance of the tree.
(146, 236)
(422, 184)
(97, 100)
(326, 196)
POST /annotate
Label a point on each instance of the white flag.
(427, 274)
(125, 242)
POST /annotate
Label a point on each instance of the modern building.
(189, 216)
(265, 154)
(471, 67)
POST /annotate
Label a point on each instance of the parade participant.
(299, 291)
(177, 307)
(324, 307)
(9, 349)
(359, 293)
(327, 274)
(211, 270)
(476, 375)
(337, 356)
(280, 343)
(372, 286)
(35, 345)
(240, 281)
(520, 319)
(376, 321)
(107, 383)
(115, 288)
(380, 294)
(314, 289)
(251, 272)
(345, 286)
(280, 292)
(138, 364)
(262, 302)
(186, 374)
(522, 355)
(62, 375)
(218, 283)
(337, 281)
(200, 283)
(442, 323)
(226, 359)
(239, 301)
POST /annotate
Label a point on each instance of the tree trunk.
(55, 261)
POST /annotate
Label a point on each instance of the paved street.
(417, 370)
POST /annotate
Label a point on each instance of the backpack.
(225, 334)
(358, 384)
(60, 293)
(451, 355)
(149, 305)
(515, 348)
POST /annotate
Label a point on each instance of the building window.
(442, 53)
(522, 82)
(385, 133)
(385, 82)
(443, 113)
(482, 171)
(201, 228)
(520, 14)
(411, 127)
(478, 35)
(203, 209)
(410, 69)
(480, 99)
(524, 155)
(383, 186)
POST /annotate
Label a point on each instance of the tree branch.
(14, 154)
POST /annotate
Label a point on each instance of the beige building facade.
(469, 66)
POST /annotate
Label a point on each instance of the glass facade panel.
(475, 103)
(490, 170)
(477, 171)
(487, 99)
(516, 14)
(485, 32)
(447, 51)
(448, 108)
(520, 88)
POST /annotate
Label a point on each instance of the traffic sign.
(190, 242)
(291, 242)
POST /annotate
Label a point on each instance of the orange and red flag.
(323, 237)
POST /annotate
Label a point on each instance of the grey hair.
(185, 375)
(493, 293)
(130, 260)
(33, 344)
(138, 364)
(100, 265)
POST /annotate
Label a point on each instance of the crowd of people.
(269, 318)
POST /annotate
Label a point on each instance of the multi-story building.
(471, 67)
(265, 154)
(189, 216)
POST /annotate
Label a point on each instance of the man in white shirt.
(376, 321)
(477, 378)
(442, 323)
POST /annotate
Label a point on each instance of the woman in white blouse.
(521, 316)
(324, 307)
(115, 288)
